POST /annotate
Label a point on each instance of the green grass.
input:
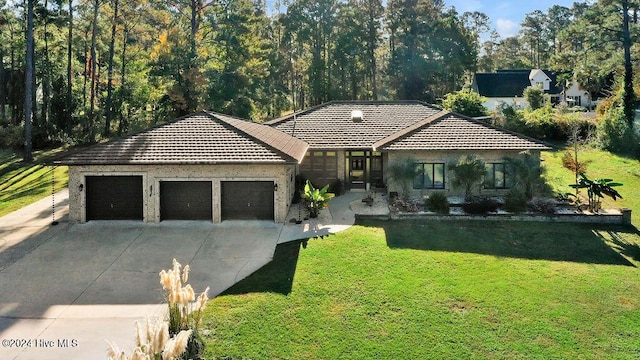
(601, 164)
(438, 290)
(22, 184)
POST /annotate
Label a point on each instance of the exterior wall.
(494, 103)
(448, 157)
(537, 76)
(282, 175)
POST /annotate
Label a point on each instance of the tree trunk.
(92, 96)
(629, 95)
(46, 78)
(3, 93)
(109, 102)
(69, 120)
(122, 124)
(28, 104)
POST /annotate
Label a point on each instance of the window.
(499, 176)
(431, 176)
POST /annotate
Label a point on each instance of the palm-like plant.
(467, 172)
(316, 199)
(404, 171)
(526, 171)
(597, 189)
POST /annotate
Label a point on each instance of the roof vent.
(356, 116)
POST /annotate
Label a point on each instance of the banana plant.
(316, 199)
(597, 189)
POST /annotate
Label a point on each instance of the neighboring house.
(208, 166)
(357, 149)
(507, 87)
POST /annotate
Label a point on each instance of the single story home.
(354, 142)
(507, 87)
(209, 166)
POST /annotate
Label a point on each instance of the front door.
(357, 169)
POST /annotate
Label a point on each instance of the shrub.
(465, 102)
(615, 134)
(336, 187)
(543, 206)
(316, 199)
(480, 205)
(515, 200)
(11, 137)
(437, 202)
(402, 205)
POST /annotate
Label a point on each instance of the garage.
(114, 198)
(247, 200)
(186, 200)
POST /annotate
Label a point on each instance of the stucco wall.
(282, 175)
(447, 157)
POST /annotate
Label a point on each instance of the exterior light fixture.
(81, 187)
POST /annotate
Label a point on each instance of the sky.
(506, 16)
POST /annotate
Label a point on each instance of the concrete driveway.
(66, 289)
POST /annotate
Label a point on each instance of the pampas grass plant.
(176, 337)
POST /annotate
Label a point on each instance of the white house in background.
(507, 87)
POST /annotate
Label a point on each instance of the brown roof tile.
(200, 138)
(329, 126)
(450, 131)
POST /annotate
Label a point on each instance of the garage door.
(247, 200)
(114, 197)
(185, 200)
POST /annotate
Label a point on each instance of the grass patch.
(602, 164)
(22, 184)
(425, 290)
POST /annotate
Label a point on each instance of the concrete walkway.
(68, 288)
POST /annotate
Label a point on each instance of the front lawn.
(438, 290)
(22, 184)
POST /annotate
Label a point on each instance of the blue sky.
(506, 16)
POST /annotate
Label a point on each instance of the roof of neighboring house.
(511, 83)
(200, 138)
(503, 84)
(450, 131)
(329, 126)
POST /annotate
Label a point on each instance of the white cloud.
(506, 27)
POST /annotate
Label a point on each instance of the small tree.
(404, 171)
(597, 189)
(534, 96)
(576, 141)
(467, 173)
(465, 102)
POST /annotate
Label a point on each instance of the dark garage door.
(114, 197)
(185, 200)
(247, 200)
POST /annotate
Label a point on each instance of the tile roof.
(450, 131)
(200, 138)
(329, 126)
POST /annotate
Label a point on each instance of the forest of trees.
(103, 68)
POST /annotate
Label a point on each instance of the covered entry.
(114, 198)
(186, 200)
(247, 200)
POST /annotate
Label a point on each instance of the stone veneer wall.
(448, 157)
(282, 175)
